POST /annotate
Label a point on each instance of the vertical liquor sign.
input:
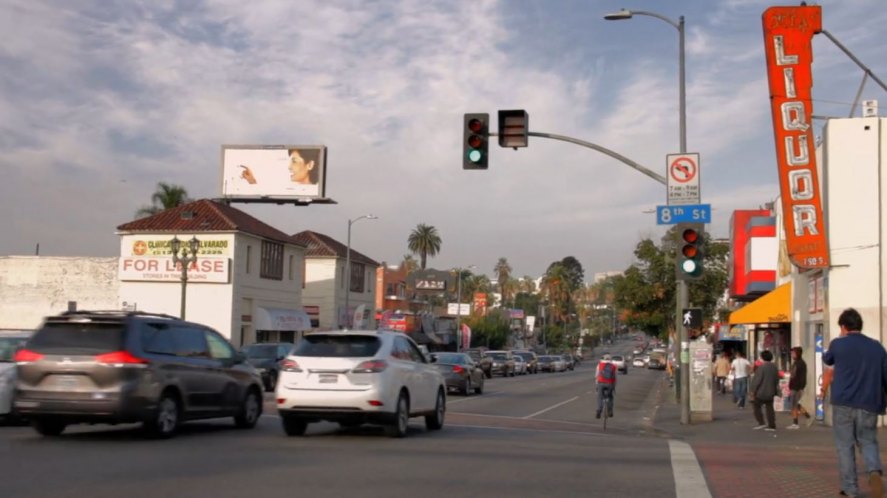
(788, 33)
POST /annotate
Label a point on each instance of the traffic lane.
(213, 459)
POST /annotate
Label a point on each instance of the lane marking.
(524, 429)
(540, 412)
(486, 394)
(688, 479)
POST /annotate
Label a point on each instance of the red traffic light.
(690, 236)
(476, 125)
(475, 141)
(690, 251)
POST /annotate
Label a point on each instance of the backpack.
(608, 372)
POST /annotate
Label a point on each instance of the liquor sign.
(788, 33)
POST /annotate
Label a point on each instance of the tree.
(409, 263)
(424, 241)
(167, 196)
(556, 291)
(503, 274)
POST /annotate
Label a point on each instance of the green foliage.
(489, 330)
(527, 302)
(574, 273)
(167, 196)
(424, 241)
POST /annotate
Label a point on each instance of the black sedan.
(460, 372)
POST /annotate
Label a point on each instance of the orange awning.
(773, 307)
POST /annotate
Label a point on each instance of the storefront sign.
(158, 245)
(788, 32)
(817, 372)
(162, 269)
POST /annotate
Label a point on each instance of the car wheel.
(249, 413)
(272, 382)
(401, 418)
(48, 427)
(293, 426)
(435, 421)
(466, 388)
(479, 389)
(488, 374)
(165, 421)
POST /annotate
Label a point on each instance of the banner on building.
(466, 337)
(162, 269)
(788, 34)
(159, 245)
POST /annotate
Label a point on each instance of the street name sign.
(690, 213)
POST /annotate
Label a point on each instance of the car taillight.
(371, 366)
(457, 369)
(26, 356)
(288, 365)
(120, 358)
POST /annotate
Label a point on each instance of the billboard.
(285, 172)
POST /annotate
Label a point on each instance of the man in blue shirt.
(860, 381)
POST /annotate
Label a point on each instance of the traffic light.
(476, 143)
(688, 263)
(513, 128)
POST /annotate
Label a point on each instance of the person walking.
(740, 368)
(764, 386)
(722, 369)
(796, 383)
(857, 398)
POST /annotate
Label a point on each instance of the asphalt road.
(531, 435)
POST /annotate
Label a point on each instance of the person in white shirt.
(740, 368)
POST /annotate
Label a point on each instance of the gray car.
(119, 367)
(266, 358)
(460, 372)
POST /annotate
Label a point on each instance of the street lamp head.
(619, 16)
(194, 244)
(175, 244)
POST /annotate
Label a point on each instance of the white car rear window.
(338, 346)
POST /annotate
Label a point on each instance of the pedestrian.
(764, 386)
(857, 398)
(722, 369)
(740, 368)
(796, 383)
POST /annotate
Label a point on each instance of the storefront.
(280, 325)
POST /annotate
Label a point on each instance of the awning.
(773, 307)
(281, 319)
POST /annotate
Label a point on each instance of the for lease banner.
(151, 269)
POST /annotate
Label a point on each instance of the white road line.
(476, 396)
(524, 429)
(688, 479)
(540, 412)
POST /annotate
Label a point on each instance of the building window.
(292, 267)
(272, 260)
(249, 257)
(358, 270)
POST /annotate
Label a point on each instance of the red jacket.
(600, 373)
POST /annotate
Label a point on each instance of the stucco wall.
(32, 287)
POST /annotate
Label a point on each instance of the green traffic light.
(474, 155)
(689, 266)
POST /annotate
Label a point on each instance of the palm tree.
(424, 241)
(528, 284)
(167, 196)
(409, 263)
(556, 290)
(502, 270)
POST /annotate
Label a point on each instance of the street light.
(188, 257)
(348, 264)
(682, 299)
(459, 304)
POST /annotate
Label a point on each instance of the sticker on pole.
(682, 178)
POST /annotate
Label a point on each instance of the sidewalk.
(738, 461)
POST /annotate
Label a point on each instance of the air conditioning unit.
(869, 108)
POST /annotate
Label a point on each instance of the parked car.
(531, 359)
(485, 362)
(619, 360)
(569, 362)
(460, 372)
(10, 342)
(266, 358)
(638, 362)
(657, 360)
(355, 377)
(117, 367)
(503, 363)
(558, 364)
(520, 365)
(546, 363)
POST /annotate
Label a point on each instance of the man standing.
(606, 384)
(764, 386)
(740, 368)
(722, 369)
(857, 397)
(796, 383)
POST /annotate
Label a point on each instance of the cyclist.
(606, 384)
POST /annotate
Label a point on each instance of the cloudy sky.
(100, 100)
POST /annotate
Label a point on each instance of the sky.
(101, 100)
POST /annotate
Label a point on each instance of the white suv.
(355, 377)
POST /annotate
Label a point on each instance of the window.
(357, 277)
(415, 354)
(292, 268)
(157, 339)
(340, 346)
(249, 257)
(272, 260)
(78, 338)
(218, 347)
(190, 342)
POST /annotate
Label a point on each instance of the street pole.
(459, 311)
(681, 294)
(348, 266)
(187, 257)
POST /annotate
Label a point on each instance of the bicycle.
(606, 402)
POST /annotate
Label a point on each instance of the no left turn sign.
(683, 178)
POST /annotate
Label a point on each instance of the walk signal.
(476, 143)
(688, 263)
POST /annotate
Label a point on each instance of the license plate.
(67, 381)
(328, 378)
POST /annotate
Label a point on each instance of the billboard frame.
(231, 193)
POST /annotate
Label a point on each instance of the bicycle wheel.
(606, 410)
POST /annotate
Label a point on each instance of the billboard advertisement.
(253, 172)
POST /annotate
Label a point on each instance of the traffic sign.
(682, 178)
(690, 213)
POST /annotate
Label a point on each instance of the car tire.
(293, 426)
(398, 427)
(488, 374)
(48, 427)
(479, 389)
(466, 388)
(248, 415)
(435, 421)
(165, 421)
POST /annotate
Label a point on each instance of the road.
(525, 436)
